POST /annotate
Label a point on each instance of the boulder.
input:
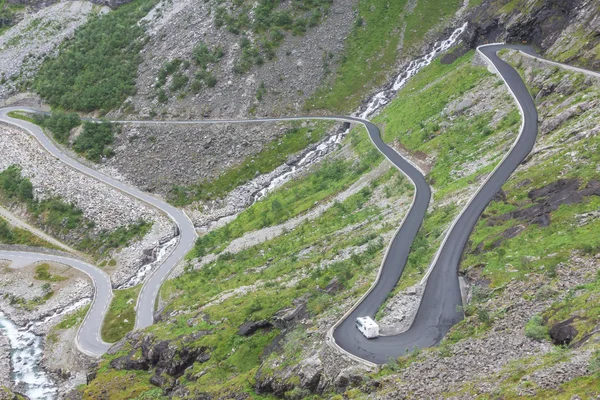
(250, 327)
(349, 377)
(562, 333)
(310, 373)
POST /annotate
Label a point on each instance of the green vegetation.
(61, 218)
(372, 49)
(535, 328)
(274, 153)
(268, 26)
(415, 120)
(15, 235)
(74, 319)
(583, 308)
(32, 303)
(101, 243)
(120, 317)
(204, 58)
(59, 123)
(228, 371)
(7, 15)
(296, 198)
(95, 141)
(540, 249)
(13, 186)
(96, 70)
(42, 273)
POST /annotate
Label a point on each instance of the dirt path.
(15, 221)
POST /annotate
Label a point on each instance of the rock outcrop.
(168, 359)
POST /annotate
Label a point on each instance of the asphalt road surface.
(88, 338)
(438, 310)
(187, 232)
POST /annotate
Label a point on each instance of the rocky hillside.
(246, 315)
(531, 270)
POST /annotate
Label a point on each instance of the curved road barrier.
(439, 309)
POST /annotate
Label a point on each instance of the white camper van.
(368, 327)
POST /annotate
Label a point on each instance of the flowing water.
(26, 355)
(374, 105)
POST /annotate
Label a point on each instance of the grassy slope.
(120, 317)
(546, 246)
(371, 49)
(538, 251)
(15, 235)
(227, 371)
(415, 120)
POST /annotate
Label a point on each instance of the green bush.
(100, 243)
(14, 186)
(98, 67)
(6, 234)
(535, 329)
(59, 123)
(203, 55)
(42, 273)
(595, 362)
(95, 140)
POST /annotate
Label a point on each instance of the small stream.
(259, 187)
(26, 355)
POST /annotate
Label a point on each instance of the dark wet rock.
(546, 200)
(499, 196)
(512, 232)
(73, 395)
(563, 333)
(169, 359)
(129, 362)
(542, 220)
(163, 381)
(250, 327)
(333, 286)
(349, 377)
(91, 372)
(559, 187)
(479, 248)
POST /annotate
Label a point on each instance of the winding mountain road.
(438, 309)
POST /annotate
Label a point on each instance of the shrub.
(203, 55)
(95, 140)
(60, 124)
(535, 329)
(98, 67)
(6, 235)
(14, 186)
(595, 362)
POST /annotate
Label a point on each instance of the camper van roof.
(367, 322)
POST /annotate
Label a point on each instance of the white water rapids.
(26, 354)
